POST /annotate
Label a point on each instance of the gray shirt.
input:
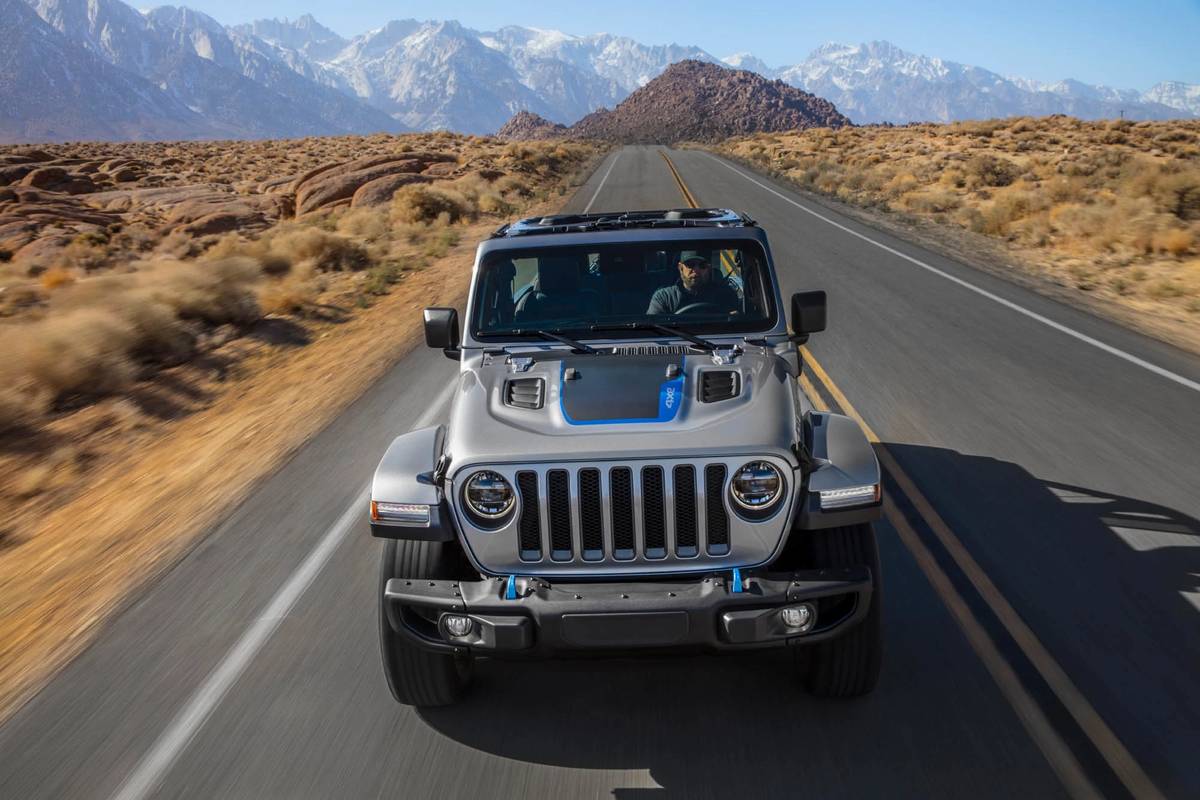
(670, 299)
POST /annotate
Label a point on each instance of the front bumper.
(531, 616)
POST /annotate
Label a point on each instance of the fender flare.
(406, 475)
(842, 457)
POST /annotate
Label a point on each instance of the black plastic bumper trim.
(702, 613)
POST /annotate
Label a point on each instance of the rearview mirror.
(441, 330)
(808, 315)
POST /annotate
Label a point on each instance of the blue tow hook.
(735, 583)
(510, 589)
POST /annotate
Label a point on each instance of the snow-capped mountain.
(186, 72)
(1183, 96)
(190, 57)
(203, 36)
(53, 90)
(879, 82)
(751, 62)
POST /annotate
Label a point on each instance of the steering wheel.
(702, 306)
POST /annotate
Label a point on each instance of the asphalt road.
(1069, 472)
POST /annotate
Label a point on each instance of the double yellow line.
(1062, 760)
(687, 195)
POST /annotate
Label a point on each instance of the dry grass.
(1081, 203)
(105, 494)
(113, 286)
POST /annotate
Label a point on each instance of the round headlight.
(488, 495)
(756, 486)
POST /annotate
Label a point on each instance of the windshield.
(711, 287)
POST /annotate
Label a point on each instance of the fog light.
(799, 618)
(457, 625)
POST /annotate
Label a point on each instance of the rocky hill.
(527, 126)
(702, 102)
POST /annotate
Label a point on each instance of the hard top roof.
(625, 220)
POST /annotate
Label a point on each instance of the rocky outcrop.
(381, 190)
(340, 183)
(701, 102)
(527, 126)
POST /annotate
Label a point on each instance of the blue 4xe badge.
(670, 396)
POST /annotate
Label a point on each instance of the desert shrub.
(1179, 194)
(16, 410)
(422, 203)
(381, 277)
(511, 185)
(56, 277)
(87, 252)
(326, 251)
(84, 352)
(1164, 290)
(179, 245)
(438, 240)
(900, 183)
(216, 292)
(1174, 241)
(930, 202)
(495, 204)
(370, 224)
(289, 296)
(991, 170)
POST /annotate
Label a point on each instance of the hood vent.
(717, 385)
(525, 392)
(651, 350)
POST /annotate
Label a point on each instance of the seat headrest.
(619, 262)
(559, 274)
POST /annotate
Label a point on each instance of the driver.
(697, 284)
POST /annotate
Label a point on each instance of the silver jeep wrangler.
(629, 465)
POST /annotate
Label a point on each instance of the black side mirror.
(808, 315)
(441, 330)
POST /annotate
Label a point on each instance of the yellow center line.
(1118, 757)
(683, 189)
(1057, 753)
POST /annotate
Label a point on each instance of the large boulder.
(58, 179)
(380, 190)
(45, 177)
(13, 173)
(240, 219)
(341, 184)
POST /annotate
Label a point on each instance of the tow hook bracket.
(735, 581)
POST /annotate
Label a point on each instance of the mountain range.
(99, 69)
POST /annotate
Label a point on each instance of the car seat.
(559, 293)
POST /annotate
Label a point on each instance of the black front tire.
(418, 677)
(849, 665)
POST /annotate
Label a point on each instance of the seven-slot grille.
(620, 513)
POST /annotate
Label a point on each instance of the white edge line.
(1083, 337)
(604, 180)
(174, 740)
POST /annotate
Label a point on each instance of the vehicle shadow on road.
(1109, 583)
(1078, 560)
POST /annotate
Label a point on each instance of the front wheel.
(847, 666)
(415, 676)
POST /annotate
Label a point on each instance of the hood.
(547, 404)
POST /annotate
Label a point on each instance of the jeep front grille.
(646, 517)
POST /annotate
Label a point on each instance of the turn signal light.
(852, 496)
(410, 514)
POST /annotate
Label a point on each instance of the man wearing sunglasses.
(700, 290)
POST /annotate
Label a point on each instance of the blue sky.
(1125, 44)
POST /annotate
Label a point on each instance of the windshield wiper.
(665, 330)
(576, 347)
